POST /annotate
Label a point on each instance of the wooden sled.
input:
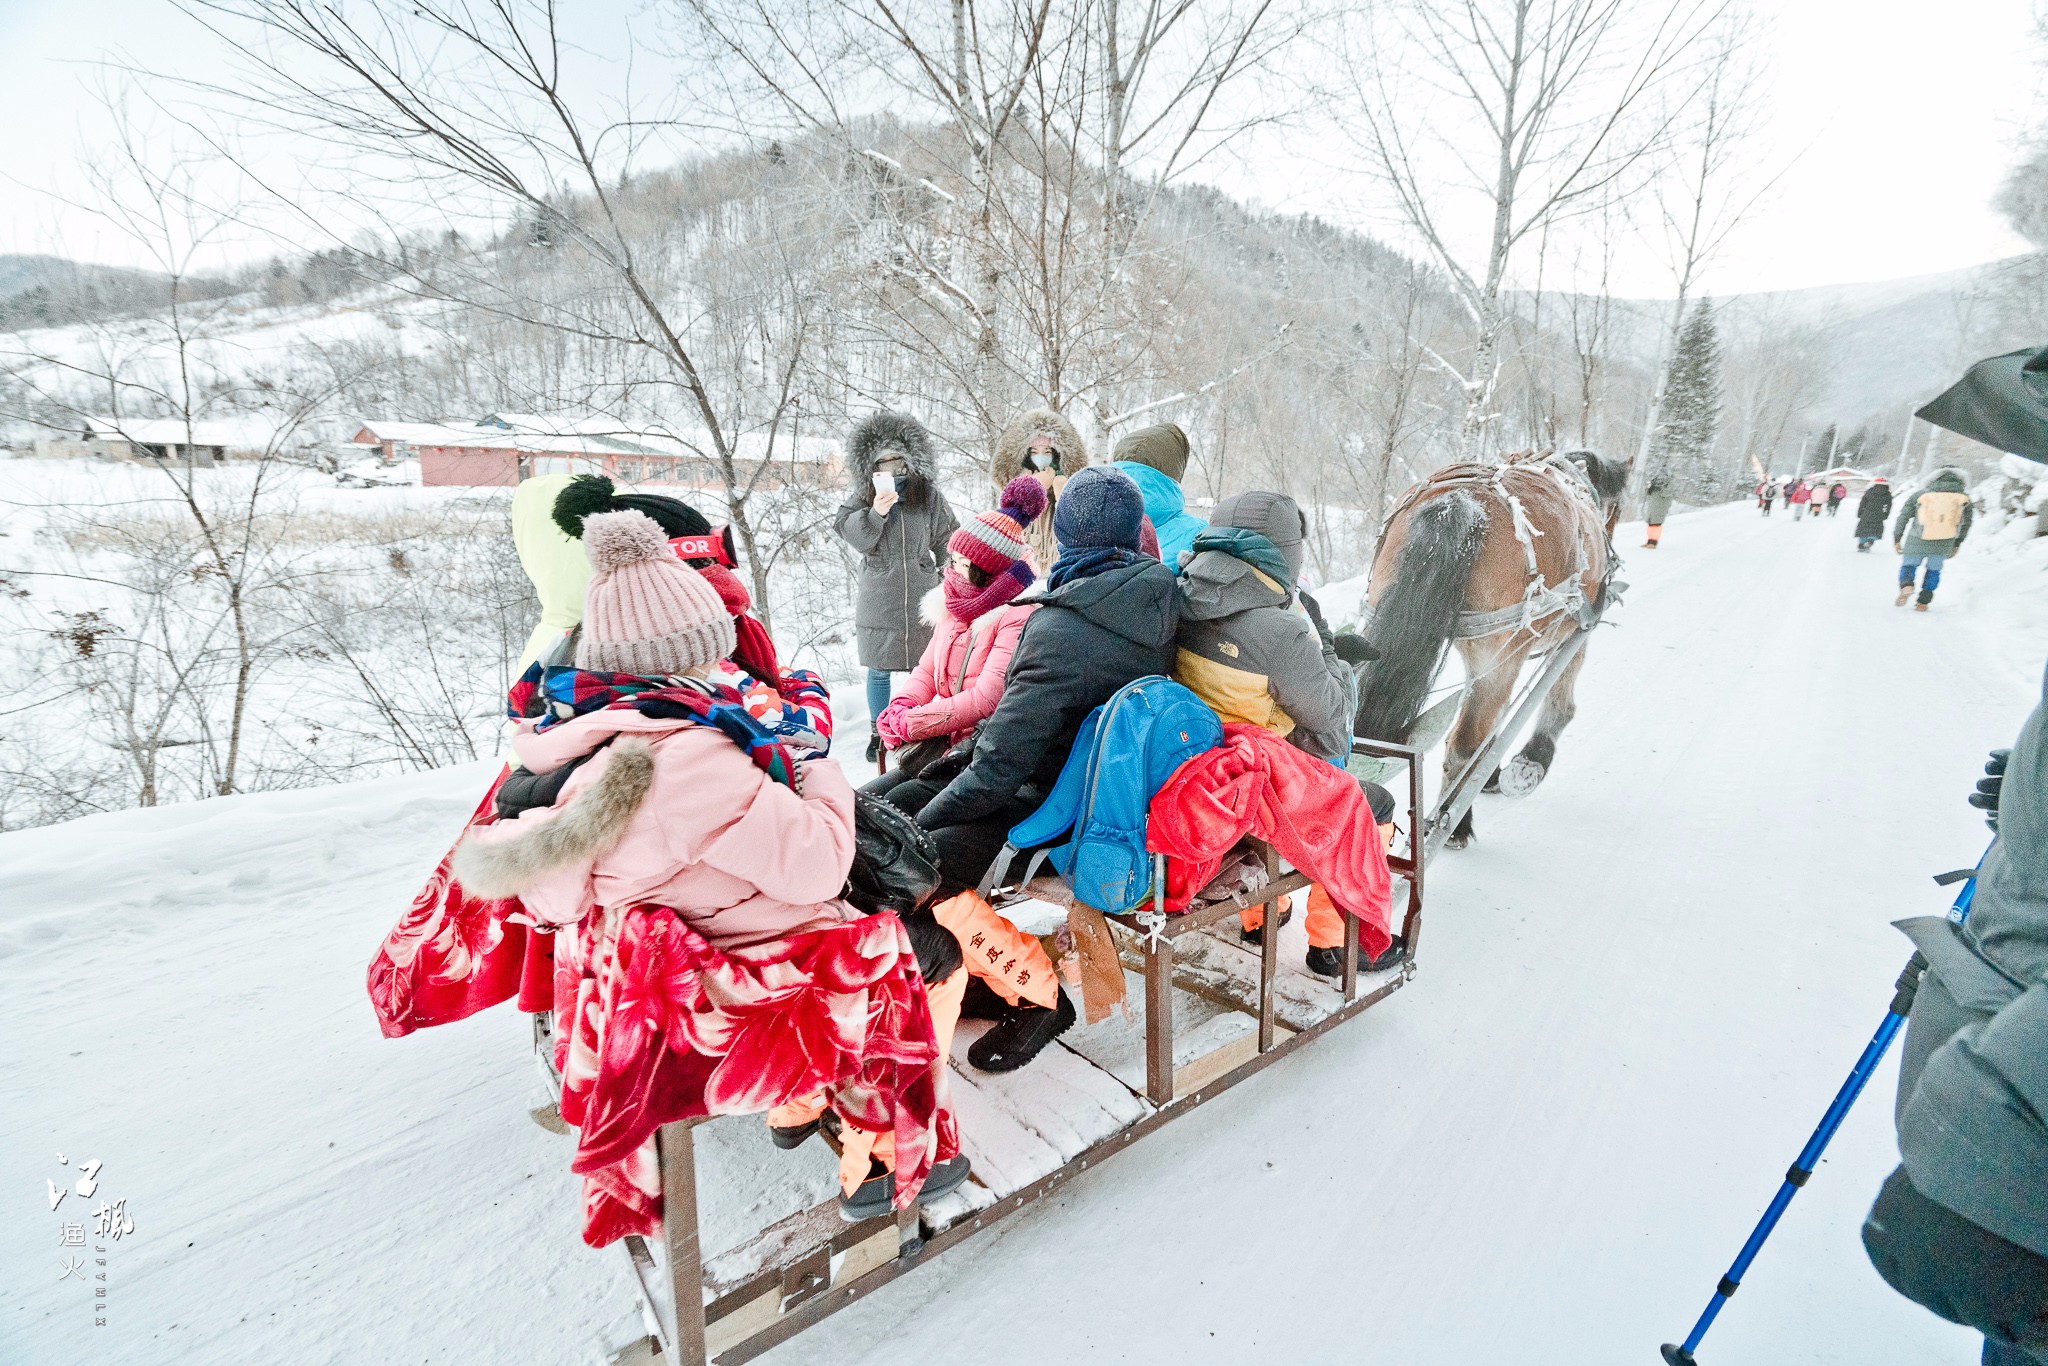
(1211, 1014)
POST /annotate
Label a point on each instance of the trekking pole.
(1809, 1156)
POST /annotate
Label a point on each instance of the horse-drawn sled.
(1511, 562)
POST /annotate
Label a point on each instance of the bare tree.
(474, 106)
(1708, 185)
(1487, 121)
(1029, 144)
(193, 581)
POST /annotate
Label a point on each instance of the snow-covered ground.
(1638, 989)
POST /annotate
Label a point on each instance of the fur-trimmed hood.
(668, 813)
(1010, 446)
(518, 855)
(885, 431)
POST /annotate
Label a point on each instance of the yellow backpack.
(1940, 514)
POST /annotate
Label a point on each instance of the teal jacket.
(1167, 506)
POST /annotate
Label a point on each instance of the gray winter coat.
(902, 554)
(1249, 649)
(1657, 507)
(1973, 1084)
(1945, 502)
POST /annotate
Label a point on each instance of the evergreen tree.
(1683, 454)
(1824, 450)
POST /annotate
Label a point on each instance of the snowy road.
(1637, 991)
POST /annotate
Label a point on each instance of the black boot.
(1257, 937)
(1023, 1034)
(1330, 962)
(876, 1196)
(980, 1002)
(874, 749)
(796, 1135)
(793, 1137)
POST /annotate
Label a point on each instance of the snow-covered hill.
(1637, 991)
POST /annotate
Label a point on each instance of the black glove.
(1315, 614)
(1985, 798)
(1352, 649)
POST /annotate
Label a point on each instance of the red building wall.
(469, 466)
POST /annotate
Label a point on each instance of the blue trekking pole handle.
(1809, 1157)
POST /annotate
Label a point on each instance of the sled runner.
(1203, 1013)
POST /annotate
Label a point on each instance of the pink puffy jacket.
(673, 814)
(958, 682)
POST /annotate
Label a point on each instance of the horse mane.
(1608, 477)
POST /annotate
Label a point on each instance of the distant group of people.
(1803, 498)
(1928, 531)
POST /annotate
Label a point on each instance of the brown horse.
(1509, 560)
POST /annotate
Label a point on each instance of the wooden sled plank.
(1200, 1027)
(1062, 1098)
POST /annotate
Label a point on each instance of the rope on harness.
(1540, 600)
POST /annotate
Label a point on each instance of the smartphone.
(885, 483)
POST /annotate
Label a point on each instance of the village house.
(500, 449)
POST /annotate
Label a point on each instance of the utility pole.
(1905, 444)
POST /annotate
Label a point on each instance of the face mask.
(1041, 460)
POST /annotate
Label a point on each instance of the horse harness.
(1540, 600)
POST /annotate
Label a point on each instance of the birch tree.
(1487, 121)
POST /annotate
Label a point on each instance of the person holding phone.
(898, 521)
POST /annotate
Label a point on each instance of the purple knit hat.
(645, 611)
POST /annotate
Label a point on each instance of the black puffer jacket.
(1087, 639)
(1872, 509)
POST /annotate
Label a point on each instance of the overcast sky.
(1903, 115)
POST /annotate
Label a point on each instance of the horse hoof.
(1520, 775)
(1457, 841)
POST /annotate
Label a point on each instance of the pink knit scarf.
(966, 602)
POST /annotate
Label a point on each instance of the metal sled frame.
(817, 1264)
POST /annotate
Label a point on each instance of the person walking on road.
(1929, 531)
(1873, 510)
(1767, 494)
(1656, 507)
(1836, 493)
(898, 521)
(1797, 497)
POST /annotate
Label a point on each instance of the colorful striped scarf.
(799, 719)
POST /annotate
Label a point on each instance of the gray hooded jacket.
(1249, 649)
(1973, 1084)
(902, 554)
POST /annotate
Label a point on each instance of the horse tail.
(1411, 625)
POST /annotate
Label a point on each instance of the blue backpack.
(1124, 753)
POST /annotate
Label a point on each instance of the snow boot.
(1258, 936)
(1023, 1034)
(1330, 962)
(1905, 591)
(874, 749)
(875, 1197)
(795, 1136)
(1923, 604)
(980, 1002)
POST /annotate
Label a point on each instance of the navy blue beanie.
(1098, 508)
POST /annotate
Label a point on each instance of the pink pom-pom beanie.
(645, 611)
